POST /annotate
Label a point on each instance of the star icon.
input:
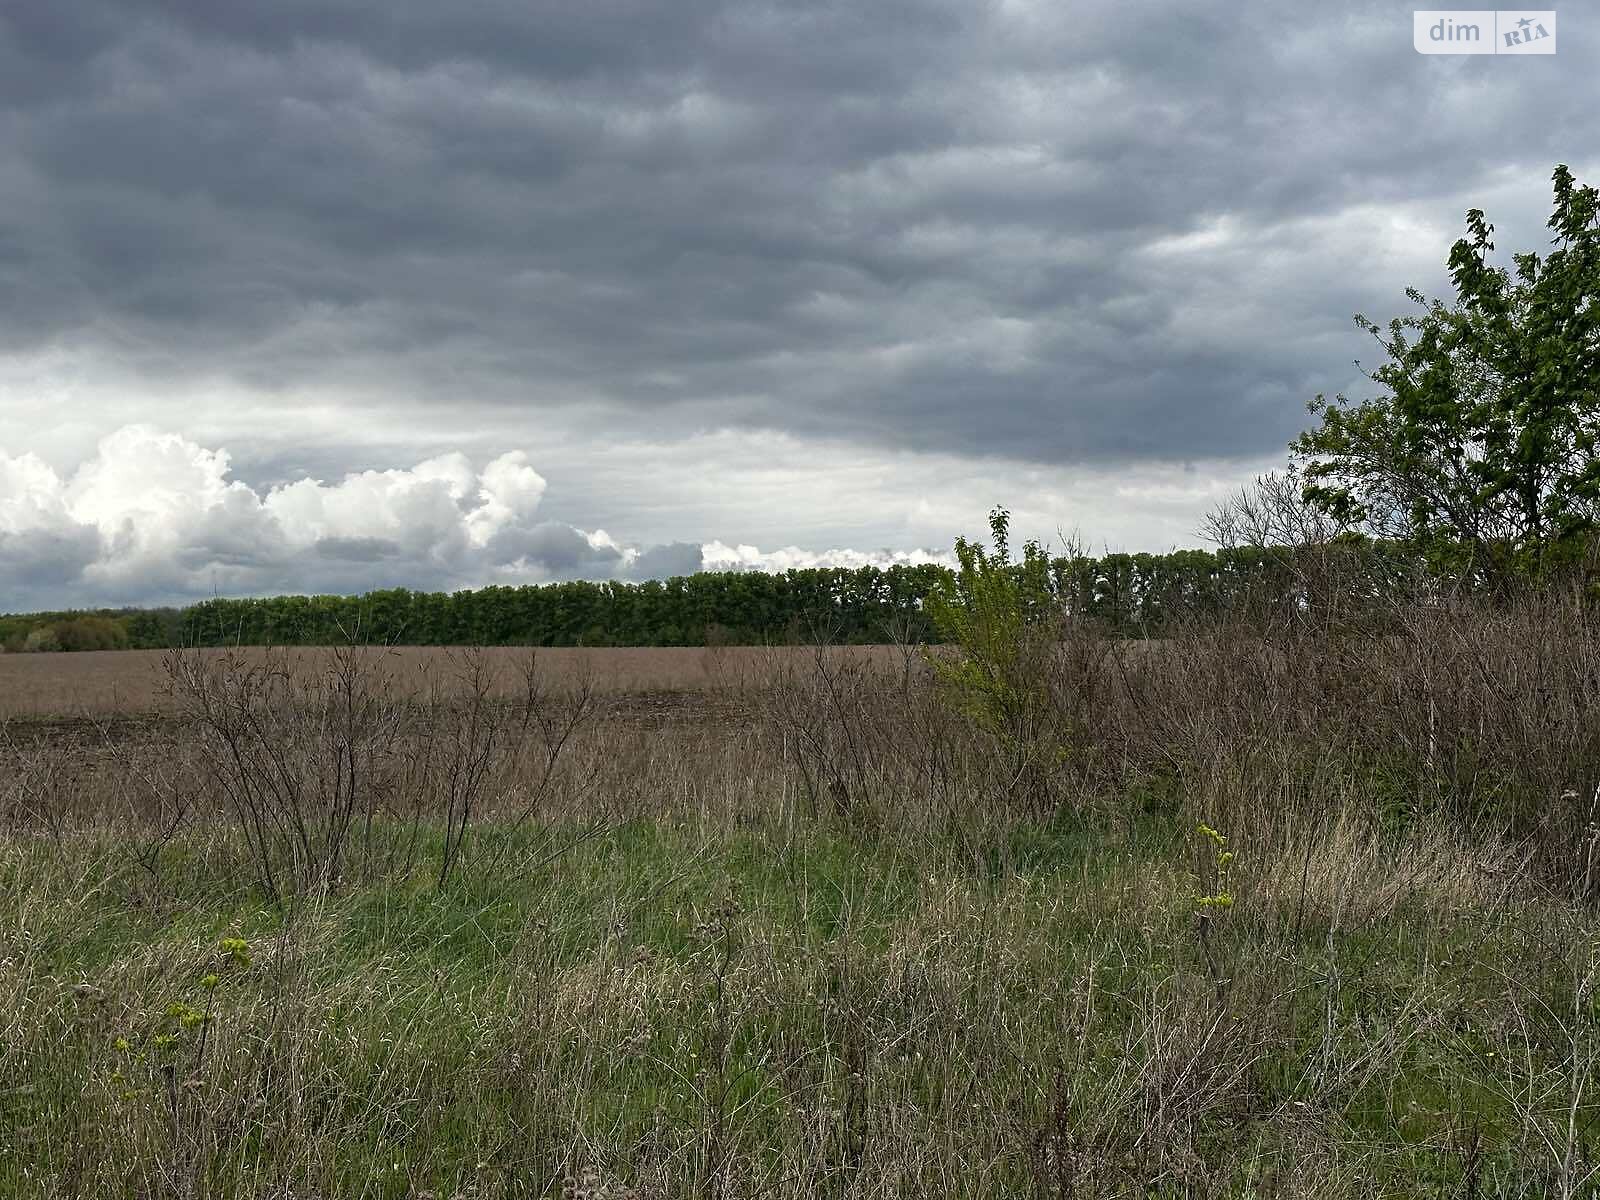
(1525, 22)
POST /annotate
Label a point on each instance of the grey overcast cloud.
(338, 294)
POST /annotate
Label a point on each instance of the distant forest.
(1133, 594)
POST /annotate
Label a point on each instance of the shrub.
(41, 640)
(1003, 620)
(91, 633)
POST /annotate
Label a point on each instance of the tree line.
(1128, 593)
(1131, 594)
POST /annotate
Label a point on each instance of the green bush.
(1004, 621)
(41, 640)
(90, 633)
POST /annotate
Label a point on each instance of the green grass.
(763, 1012)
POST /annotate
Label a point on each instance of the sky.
(327, 295)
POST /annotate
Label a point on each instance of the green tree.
(1481, 451)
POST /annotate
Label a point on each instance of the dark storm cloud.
(1024, 230)
(557, 549)
(667, 561)
(45, 559)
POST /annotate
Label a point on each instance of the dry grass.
(812, 933)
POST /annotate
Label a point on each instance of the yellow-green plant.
(1216, 875)
(182, 1030)
(999, 618)
(1215, 896)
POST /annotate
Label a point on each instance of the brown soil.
(654, 680)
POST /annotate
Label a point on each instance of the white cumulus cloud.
(155, 517)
